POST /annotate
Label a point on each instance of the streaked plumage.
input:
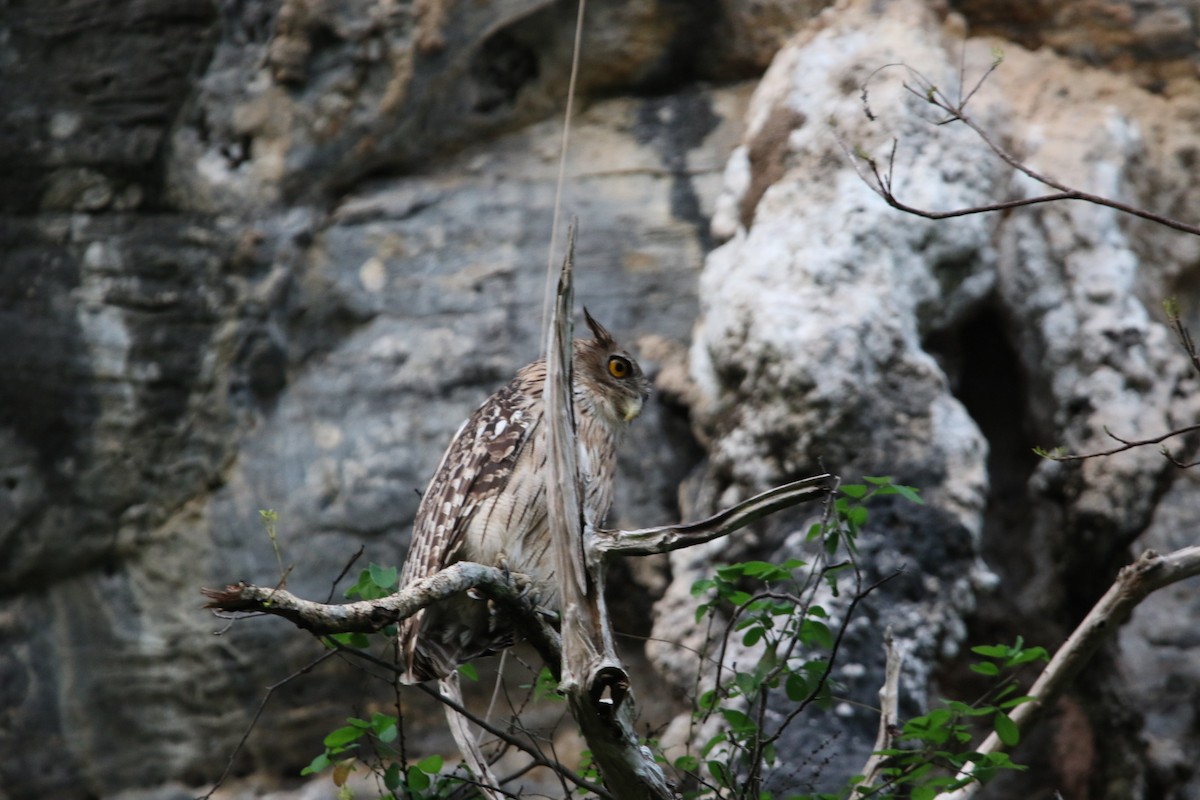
(487, 501)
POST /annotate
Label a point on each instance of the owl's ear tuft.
(599, 332)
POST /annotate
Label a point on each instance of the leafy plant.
(933, 750)
(772, 607)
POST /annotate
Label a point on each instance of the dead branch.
(665, 538)
(1134, 583)
(307, 668)
(593, 679)
(369, 616)
(880, 180)
(1125, 444)
(889, 712)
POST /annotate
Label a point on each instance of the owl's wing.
(476, 466)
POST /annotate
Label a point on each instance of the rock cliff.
(269, 255)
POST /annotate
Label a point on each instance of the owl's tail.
(464, 737)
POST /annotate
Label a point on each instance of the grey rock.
(269, 255)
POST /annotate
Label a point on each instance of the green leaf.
(985, 668)
(738, 720)
(719, 773)
(319, 763)
(753, 636)
(343, 736)
(384, 577)
(711, 743)
(430, 764)
(854, 490)
(391, 778)
(417, 780)
(747, 683)
(909, 493)
(796, 687)
(359, 641)
(991, 650)
(1032, 654)
(1017, 701)
(686, 763)
(816, 633)
(1006, 729)
(468, 671)
(968, 711)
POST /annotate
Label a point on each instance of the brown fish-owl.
(487, 500)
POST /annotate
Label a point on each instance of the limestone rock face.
(269, 255)
(838, 332)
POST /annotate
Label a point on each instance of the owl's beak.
(633, 407)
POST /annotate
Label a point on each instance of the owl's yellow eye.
(618, 367)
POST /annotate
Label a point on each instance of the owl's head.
(613, 379)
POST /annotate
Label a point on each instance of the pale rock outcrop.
(838, 332)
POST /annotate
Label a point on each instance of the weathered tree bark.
(593, 679)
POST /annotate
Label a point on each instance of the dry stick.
(562, 170)
(590, 666)
(538, 759)
(889, 711)
(881, 183)
(369, 616)
(1126, 444)
(1134, 584)
(665, 538)
(516, 742)
(254, 720)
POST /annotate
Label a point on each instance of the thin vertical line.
(562, 171)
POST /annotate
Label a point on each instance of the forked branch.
(880, 179)
(1134, 584)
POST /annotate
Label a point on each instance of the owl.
(487, 501)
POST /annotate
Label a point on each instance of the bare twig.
(1135, 583)
(815, 692)
(503, 735)
(309, 667)
(362, 548)
(881, 182)
(1125, 444)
